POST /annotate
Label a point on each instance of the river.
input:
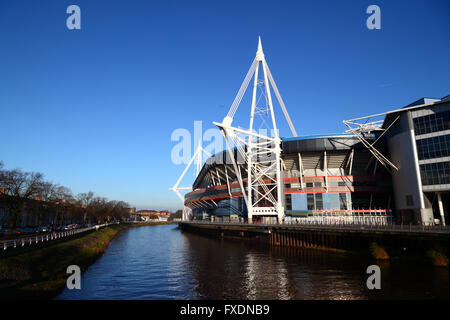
(161, 262)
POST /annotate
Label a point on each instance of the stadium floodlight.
(261, 153)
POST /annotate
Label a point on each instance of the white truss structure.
(361, 129)
(357, 128)
(261, 153)
(187, 212)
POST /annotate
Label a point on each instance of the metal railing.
(320, 225)
(327, 219)
(36, 239)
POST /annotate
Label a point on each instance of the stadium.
(385, 169)
(326, 177)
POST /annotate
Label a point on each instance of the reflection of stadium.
(231, 270)
(380, 170)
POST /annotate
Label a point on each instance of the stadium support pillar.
(441, 208)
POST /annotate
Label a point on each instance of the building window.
(435, 173)
(330, 201)
(432, 123)
(288, 202)
(409, 200)
(343, 201)
(434, 147)
(310, 201)
(319, 201)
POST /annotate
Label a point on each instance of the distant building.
(152, 213)
(147, 215)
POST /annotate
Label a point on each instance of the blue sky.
(94, 109)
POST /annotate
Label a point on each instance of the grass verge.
(41, 274)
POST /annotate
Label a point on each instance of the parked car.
(29, 230)
(44, 229)
(21, 230)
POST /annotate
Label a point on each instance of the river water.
(161, 262)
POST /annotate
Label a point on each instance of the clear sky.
(94, 109)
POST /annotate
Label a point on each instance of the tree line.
(52, 204)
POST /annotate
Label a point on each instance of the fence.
(364, 219)
(349, 226)
(375, 219)
(34, 240)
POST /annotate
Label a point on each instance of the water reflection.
(235, 270)
(161, 262)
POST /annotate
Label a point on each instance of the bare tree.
(63, 198)
(17, 188)
(85, 200)
(24, 189)
(2, 178)
(46, 205)
(100, 207)
(121, 210)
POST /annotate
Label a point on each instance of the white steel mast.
(176, 188)
(262, 153)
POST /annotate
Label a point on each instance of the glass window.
(435, 173)
(435, 147)
(319, 201)
(288, 202)
(299, 201)
(310, 201)
(343, 201)
(432, 123)
(330, 201)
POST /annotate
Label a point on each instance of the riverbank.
(41, 274)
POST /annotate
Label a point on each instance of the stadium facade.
(325, 177)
